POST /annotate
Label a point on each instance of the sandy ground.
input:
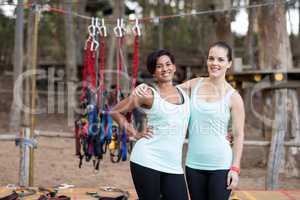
(55, 163)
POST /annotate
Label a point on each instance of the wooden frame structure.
(279, 81)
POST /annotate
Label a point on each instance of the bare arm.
(127, 105)
(238, 122)
(187, 85)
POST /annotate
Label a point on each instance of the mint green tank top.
(208, 148)
(163, 152)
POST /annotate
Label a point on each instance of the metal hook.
(92, 28)
(97, 25)
(96, 43)
(119, 29)
(102, 29)
(92, 33)
(136, 28)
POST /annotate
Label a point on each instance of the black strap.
(122, 197)
(12, 196)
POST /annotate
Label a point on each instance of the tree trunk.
(223, 28)
(118, 12)
(15, 113)
(274, 44)
(81, 29)
(213, 27)
(161, 25)
(71, 66)
(298, 52)
(249, 53)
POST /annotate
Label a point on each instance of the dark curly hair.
(152, 59)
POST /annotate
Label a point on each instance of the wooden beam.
(267, 143)
(7, 137)
(38, 133)
(267, 71)
(53, 134)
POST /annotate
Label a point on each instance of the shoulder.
(144, 99)
(236, 100)
(183, 91)
(190, 83)
(194, 81)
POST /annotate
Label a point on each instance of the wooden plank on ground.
(81, 194)
(295, 194)
(266, 195)
(74, 193)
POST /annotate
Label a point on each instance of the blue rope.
(93, 120)
(124, 148)
(109, 125)
(102, 128)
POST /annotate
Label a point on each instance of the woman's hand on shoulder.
(143, 91)
(187, 85)
(143, 95)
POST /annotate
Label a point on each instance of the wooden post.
(28, 59)
(70, 49)
(161, 25)
(15, 112)
(118, 12)
(295, 117)
(277, 143)
(290, 165)
(33, 96)
(24, 159)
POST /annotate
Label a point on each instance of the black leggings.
(207, 185)
(155, 185)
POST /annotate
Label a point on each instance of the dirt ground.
(55, 161)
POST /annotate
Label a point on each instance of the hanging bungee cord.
(95, 131)
(120, 31)
(86, 128)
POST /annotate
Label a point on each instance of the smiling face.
(165, 69)
(218, 62)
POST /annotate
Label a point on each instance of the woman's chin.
(215, 75)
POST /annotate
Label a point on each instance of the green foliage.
(7, 38)
(6, 25)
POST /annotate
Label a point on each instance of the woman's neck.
(218, 82)
(165, 85)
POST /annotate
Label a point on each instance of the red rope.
(288, 195)
(88, 70)
(135, 66)
(102, 68)
(120, 66)
(102, 62)
(91, 69)
(57, 10)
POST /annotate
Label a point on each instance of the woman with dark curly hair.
(156, 159)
